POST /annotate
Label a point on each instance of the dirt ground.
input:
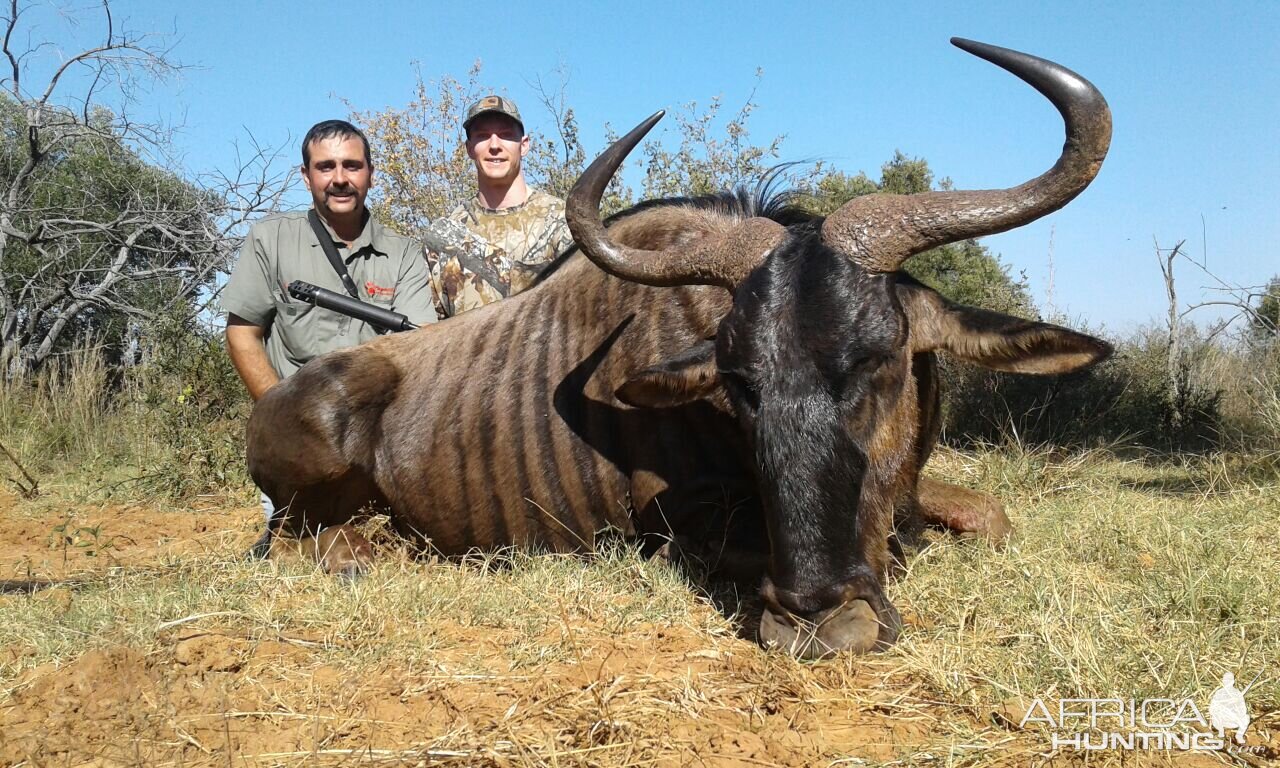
(206, 693)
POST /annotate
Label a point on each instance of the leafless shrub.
(95, 237)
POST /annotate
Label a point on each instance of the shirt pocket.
(294, 324)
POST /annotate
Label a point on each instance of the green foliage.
(104, 246)
(835, 188)
(89, 539)
(195, 402)
(965, 272)
(968, 273)
(907, 176)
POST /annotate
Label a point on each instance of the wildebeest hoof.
(345, 568)
(853, 627)
(261, 548)
(350, 572)
(999, 528)
(343, 552)
(994, 526)
(672, 551)
(972, 514)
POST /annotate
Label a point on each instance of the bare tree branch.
(11, 23)
(1250, 303)
(1176, 370)
(90, 229)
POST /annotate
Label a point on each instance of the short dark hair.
(329, 129)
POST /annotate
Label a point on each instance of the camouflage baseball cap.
(493, 103)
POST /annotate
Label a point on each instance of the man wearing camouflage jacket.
(494, 245)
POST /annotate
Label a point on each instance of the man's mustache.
(344, 190)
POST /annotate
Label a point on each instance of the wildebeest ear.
(995, 340)
(690, 375)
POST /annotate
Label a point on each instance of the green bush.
(1127, 399)
(171, 426)
(190, 395)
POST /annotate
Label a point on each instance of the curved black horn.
(882, 231)
(721, 260)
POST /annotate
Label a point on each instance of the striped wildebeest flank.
(692, 351)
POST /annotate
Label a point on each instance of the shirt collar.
(369, 236)
(479, 207)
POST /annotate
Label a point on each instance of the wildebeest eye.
(853, 377)
(740, 389)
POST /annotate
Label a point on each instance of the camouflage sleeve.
(432, 258)
(452, 241)
(564, 238)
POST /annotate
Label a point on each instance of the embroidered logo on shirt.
(377, 291)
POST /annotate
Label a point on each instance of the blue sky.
(1194, 89)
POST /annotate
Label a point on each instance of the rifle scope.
(378, 317)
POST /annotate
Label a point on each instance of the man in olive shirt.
(495, 244)
(270, 335)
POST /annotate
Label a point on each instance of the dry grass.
(88, 433)
(1132, 578)
(1131, 575)
(1127, 579)
(66, 399)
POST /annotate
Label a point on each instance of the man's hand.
(249, 356)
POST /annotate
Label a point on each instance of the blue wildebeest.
(689, 350)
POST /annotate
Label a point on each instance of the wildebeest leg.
(315, 522)
(962, 510)
(310, 449)
(340, 550)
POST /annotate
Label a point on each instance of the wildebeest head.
(816, 355)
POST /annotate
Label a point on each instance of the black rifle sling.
(330, 252)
